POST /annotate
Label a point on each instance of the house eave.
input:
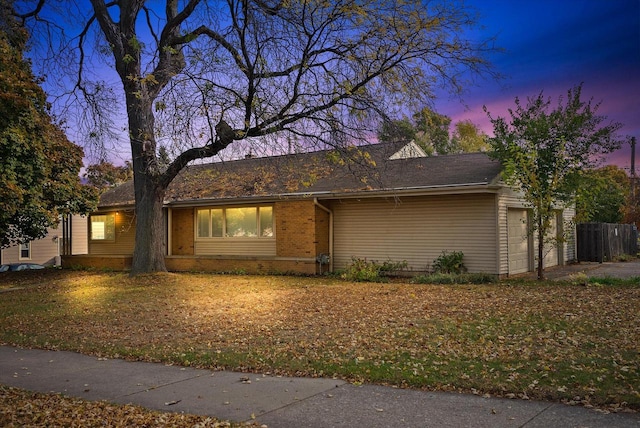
(482, 187)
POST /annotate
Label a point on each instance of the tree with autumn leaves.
(430, 130)
(39, 166)
(546, 153)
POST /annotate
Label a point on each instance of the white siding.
(417, 229)
(79, 234)
(510, 200)
(551, 249)
(519, 243)
(235, 247)
(507, 199)
(43, 251)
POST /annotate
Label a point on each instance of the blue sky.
(551, 46)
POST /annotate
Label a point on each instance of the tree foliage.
(430, 130)
(544, 150)
(104, 174)
(604, 195)
(39, 166)
(200, 77)
(467, 137)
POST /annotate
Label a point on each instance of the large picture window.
(244, 222)
(103, 227)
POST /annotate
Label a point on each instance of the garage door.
(518, 241)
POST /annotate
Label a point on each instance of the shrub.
(449, 278)
(449, 263)
(362, 270)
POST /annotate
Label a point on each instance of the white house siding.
(79, 234)
(519, 248)
(509, 201)
(551, 250)
(417, 229)
(43, 251)
(235, 247)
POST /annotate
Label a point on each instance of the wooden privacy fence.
(599, 242)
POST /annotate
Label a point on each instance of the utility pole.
(633, 168)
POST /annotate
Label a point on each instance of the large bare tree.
(198, 76)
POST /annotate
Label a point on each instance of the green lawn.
(550, 341)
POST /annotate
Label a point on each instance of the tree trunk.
(541, 234)
(149, 251)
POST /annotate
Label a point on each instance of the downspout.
(169, 230)
(327, 210)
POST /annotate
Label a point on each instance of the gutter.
(324, 195)
(327, 210)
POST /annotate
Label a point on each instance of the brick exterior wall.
(301, 229)
(295, 229)
(322, 232)
(246, 265)
(182, 232)
(97, 262)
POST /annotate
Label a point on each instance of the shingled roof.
(354, 171)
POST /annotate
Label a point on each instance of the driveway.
(627, 269)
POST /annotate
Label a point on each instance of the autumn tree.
(104, 174)
(467, 137)
(602, 195)
(427, 128)
(396, 130)
(207, 75)
(543, 151)
(39, 166)
(432, 130)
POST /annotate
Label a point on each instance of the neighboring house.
(47, 251)
(291, 213)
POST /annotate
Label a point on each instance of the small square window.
(25, 251)
(103, 227)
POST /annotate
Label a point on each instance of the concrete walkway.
(280, 402)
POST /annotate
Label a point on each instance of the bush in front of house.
(363, 270)
(453, 278)
(449, 262)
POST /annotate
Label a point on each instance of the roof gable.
(410, 150)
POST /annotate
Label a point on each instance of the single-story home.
(312, 212)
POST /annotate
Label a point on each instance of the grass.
(552, 341)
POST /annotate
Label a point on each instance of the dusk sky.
(553, 45)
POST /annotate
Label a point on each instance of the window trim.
(28, 249)
(105, 239)
(224, 223)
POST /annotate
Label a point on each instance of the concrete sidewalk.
(280, 402)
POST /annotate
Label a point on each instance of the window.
(103, 227)
(245, 222)
(25, 251)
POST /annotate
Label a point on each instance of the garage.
(518, 240)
